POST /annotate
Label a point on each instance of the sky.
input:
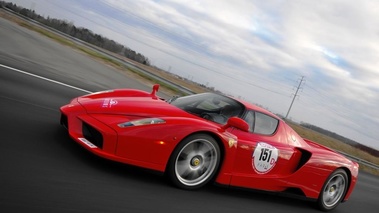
(260, 51)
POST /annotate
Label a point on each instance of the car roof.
(254, 107)
(248, 105)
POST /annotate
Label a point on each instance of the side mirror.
(237, 123)
(155, 90)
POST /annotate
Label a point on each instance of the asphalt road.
(43, 170)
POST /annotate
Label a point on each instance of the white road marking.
(43, 78)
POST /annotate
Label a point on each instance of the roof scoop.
(155, 90)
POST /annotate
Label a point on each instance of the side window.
(264, 124)
(249, 118)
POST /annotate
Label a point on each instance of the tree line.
(88, 36)
(81, 33)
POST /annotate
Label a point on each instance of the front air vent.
(92, 135)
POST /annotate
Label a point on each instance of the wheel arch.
(214, 136)
(349, 178)
(321, 202)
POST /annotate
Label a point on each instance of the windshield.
(210, 106)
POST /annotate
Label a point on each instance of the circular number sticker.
(264, 157)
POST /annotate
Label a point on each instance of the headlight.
(146, 121)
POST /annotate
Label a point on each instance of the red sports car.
(208, 137)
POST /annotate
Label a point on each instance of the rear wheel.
(194, 162)
(333, 190)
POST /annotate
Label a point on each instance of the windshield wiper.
(172, 99)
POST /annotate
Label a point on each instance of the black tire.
(194, 162)
(333, 191)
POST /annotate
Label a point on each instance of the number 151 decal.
(264, 157)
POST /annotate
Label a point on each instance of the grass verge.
(303, 132)
(97, 55)
(337, 145)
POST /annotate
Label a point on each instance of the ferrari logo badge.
(232, 142)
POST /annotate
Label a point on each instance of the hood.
(141, 106)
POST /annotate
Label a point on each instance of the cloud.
(257, 50)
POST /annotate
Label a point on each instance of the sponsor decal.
(109, 102)
(264, 158)
(86, 142)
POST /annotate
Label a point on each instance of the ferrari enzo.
(208, 137)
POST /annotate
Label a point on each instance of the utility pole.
(297, 90)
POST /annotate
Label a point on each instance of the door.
(263, 157)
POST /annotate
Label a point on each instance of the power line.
(185, 41)
(297, 90)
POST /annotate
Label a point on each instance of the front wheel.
(194, 162)
(333, 190)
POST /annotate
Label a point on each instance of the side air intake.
(92, 135)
